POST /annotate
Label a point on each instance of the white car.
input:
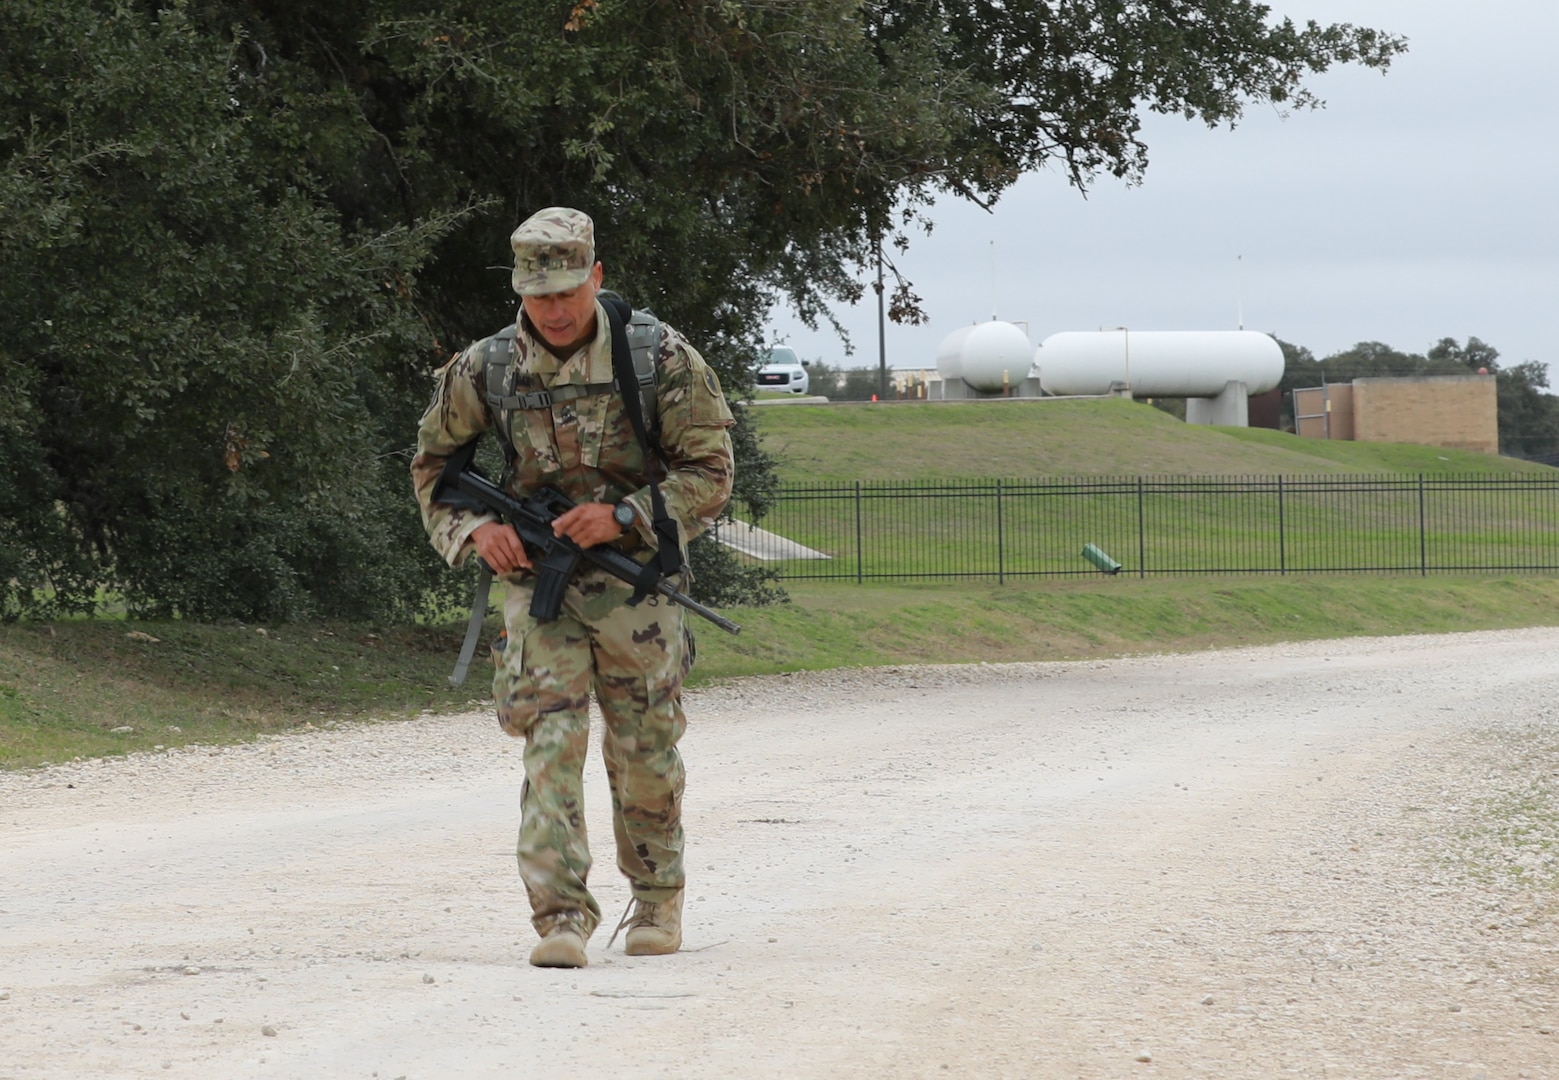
(784, 372)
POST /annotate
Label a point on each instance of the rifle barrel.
(672, 593)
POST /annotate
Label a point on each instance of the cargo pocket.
(513, 689)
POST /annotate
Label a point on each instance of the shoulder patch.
(709, 381)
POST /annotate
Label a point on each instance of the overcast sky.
(1416, 205)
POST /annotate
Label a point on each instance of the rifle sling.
(484, 583)
(669, 543)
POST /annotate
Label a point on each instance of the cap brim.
(550, 281)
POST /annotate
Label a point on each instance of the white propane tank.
(987, 356)
(949, 354)
(1159, 363)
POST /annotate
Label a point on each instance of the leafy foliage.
(193, 339)
(237, 235)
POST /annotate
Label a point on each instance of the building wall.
(1458, 411)
(1266, 410)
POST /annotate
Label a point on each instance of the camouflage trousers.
(633, 659)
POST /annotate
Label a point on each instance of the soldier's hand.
(588, 524)
(500, 547)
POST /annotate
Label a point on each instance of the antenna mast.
(993, 281)
(1239, 290)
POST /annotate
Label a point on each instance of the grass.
(834, 625)
(1019, 438)
(69, 689)
(96, 687)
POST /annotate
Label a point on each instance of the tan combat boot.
(654, 929)
(562, 946)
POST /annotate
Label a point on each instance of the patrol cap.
(554, 251)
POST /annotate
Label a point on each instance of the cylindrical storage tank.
(987, 356)
(1159, 363)
(949, 354)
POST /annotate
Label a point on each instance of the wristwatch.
(625, 515)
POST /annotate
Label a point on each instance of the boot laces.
(640, 913)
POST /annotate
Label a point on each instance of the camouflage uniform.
(632, 657)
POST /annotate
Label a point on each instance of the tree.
(1528, 414)
(236, 236)
(1474, 356)
(187, 334)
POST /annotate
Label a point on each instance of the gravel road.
(1329, 859)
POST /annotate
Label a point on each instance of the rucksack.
(643, 330)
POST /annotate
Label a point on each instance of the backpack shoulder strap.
(495, 365)
(643, 330)
(496, 358)
(669, 555)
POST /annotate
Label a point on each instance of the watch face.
(624, 514)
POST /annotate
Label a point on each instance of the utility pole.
(882, 339)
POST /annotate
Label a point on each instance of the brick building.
(1458, 411)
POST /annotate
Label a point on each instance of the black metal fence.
(1160, 525)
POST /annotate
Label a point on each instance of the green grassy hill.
(1064, 438)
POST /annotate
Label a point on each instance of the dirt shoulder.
(1327, 859)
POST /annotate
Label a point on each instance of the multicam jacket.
(585, 446)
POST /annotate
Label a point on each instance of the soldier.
(577, 437)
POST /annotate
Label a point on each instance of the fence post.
(1282, 541)
(858, 556)
(1142, 546)
(1423, 557)
(1001, 554)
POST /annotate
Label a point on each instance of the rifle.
(555, 558)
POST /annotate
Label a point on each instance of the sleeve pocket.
(708, 407)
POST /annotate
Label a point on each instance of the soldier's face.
(566, 319)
